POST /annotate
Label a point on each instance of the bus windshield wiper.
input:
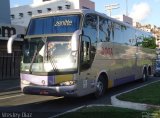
(51, 60)
(35, 55)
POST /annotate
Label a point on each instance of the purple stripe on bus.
(124, 80)
(51, 80)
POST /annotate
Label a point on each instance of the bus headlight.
(67, 83)
(25, 82)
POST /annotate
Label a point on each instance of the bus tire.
(149, 71)
(100, 87)
(144, 76)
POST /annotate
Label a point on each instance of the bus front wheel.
(100, 87)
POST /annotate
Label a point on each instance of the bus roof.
(77, 11)
(86, 11)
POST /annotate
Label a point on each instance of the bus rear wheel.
(100, 87)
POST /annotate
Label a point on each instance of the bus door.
(87, 52)
(85, 63)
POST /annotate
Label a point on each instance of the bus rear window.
(54, 24)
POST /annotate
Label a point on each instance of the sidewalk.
(9, 85)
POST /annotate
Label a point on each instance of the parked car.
(157, 68)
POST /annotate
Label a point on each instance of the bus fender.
(101, 73)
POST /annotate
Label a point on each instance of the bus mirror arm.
(74, 40)
(11, 39)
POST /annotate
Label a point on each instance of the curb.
(132, 105)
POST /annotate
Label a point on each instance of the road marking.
(72, 110)
(78, 108)
(11, 96)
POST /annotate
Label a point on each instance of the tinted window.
(106, 31)
(124, 35)
(54, 24)
(119, 33)
(89, 41)
(90, 27)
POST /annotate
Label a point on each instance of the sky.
(143, 11)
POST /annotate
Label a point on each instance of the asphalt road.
(46, 106)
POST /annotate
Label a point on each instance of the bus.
(79, 52)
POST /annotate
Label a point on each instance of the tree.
(149, 43)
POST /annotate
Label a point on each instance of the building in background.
(5, 12)
(124, 18)
(9, 64)
(150, 28)
(21, 15)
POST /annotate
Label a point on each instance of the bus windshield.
(49, 54)
(54, 25)
(47, 48)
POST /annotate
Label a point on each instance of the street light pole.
(110, 7)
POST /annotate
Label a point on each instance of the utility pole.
(110, 7)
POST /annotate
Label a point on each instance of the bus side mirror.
(74, 40)
(18, 37)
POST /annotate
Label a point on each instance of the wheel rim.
(99, 88)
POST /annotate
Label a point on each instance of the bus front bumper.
(68, 91)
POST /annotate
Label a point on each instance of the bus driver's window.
(85, 52)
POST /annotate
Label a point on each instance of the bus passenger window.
(104, 32)
(90, 27)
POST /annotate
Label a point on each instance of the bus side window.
(104, 32)
(90, 27)
(85, 53)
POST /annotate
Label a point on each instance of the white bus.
(79, 52)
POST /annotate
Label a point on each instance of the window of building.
(30, 13)
(12, 16)
(49, 9)
(39, 11)
(68, 6)
(83, 7)
(59, 7)
(21, 15)
(45, 0)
